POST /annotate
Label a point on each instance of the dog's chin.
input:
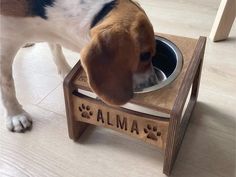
(144, 80)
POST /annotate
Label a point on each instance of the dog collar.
(103, 12)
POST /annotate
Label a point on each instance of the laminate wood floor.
(208, 149)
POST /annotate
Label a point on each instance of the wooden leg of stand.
(75, 128)
(178, 126)
(181, 127)
(190, 107)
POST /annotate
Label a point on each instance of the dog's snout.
(153, 80)
(143, 80)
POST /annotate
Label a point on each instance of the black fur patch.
(103, 12)
(38, 7)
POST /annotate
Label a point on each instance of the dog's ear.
(109, 61)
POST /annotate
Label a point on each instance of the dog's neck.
(67, 22)
(103, 12)
(74, 18)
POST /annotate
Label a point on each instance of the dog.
(114, 38)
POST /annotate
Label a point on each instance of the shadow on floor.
(206, 147)
(206, 150)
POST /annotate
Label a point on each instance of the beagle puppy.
(114, 38)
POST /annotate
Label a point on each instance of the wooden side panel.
(75, 128)
(149, 130)
(177, 127)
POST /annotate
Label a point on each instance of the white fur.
(68, 24)
(146, 79)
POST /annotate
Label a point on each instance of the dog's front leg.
(63, 67)
(17, 119)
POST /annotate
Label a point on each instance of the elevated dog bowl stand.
(174, 103)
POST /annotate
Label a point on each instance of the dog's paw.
(19, 123)
(64, 71)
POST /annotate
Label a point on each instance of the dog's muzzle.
(144, 80)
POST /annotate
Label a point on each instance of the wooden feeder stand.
(163, 132)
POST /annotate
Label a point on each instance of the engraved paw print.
(152, 132)
(85, 111)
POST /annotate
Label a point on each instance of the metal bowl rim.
(176, 72)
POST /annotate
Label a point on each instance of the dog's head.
(119, 56)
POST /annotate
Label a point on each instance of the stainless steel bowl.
(167, 63)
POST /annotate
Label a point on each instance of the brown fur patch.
(108, 69)
(16, 8)
(113, 56)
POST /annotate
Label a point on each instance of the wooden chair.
(223, 21)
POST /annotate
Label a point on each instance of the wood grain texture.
(75, 128)
(151, 131)
(177, 127)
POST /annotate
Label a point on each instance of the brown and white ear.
(108, 65)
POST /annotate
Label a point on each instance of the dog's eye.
(145, 56)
